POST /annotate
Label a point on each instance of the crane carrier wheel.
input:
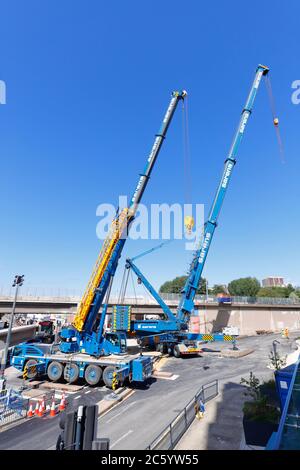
(92, 374)
(31, 368)
(108, 375)
(55, 371)
(176, 351)
(71, 373)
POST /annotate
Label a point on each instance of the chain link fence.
(171, 435)
(12, 406)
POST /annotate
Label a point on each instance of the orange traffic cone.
(43, 405)
(41, 411)
(30, 411)
(62, 404)
(36, 411)
(52, 409)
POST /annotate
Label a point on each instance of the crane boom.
(186, 304)
(170, 333)
(112, 247)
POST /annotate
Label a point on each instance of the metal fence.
(12, 406)
(238, 300)
(171, 435)
(73, 295)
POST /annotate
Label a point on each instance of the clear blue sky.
(87, 85)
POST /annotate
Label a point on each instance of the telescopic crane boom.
(145, 328)
(83, 336)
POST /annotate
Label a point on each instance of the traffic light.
(79, 430)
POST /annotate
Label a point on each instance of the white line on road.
(76, 398)
(121, 412)
(89, 391)
(122, 437)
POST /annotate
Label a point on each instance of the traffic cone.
(52, 409)
(43, 405)
(30, 411)
(36, 411)
(62, 405)
(41, 411)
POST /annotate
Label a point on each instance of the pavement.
(135, 422)
(221, 427)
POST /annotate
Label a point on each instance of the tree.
(245, 286)
(176, 285)
(218, 289)
(282, 292)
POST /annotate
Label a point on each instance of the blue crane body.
(179, 341)
(85, 348)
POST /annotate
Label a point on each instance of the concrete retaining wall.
(248, 320)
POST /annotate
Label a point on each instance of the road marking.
(122, 437)
(121, 412)
(89, 391)
(174, 377)
(76, 398)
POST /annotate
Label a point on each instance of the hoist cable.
(123, 287)
(131, 275)
(186, 152)
(274, 116)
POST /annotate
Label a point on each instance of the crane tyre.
(108, 376)
(55, 371)
(31, 368)
(71, 373)
(93, 374)
(176, 351)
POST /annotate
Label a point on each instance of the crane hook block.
(189, 223)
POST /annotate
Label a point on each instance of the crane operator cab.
(117, 342)
(94, 344)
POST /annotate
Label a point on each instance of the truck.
(44, 333)
(85, 349)
(170, 333)
(39, 360)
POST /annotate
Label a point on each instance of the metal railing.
(12, 406)
(141, 300)
(171, 435)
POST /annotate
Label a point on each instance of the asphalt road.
(134, 423)
(42, 433)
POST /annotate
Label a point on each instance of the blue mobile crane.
(171, 332)
(86, 350)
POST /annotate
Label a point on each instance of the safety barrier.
(12, 406)
(171, 435)
(68, 297)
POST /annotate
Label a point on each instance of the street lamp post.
(18, 282)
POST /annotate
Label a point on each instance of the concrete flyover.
(248, 314)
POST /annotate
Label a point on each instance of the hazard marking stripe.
(228, 338)
(207, 337)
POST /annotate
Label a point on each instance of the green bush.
(260, 410)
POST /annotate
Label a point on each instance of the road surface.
(134, 423)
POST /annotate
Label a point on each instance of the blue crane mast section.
(161, 330)
(87, 334)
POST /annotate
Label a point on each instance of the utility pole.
(18, 282)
